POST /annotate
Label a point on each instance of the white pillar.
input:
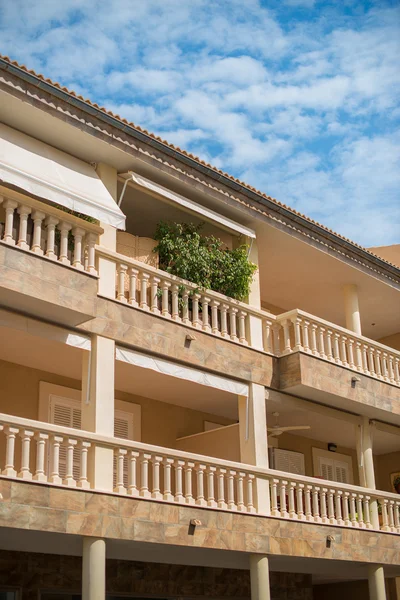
(352, 310)
(253, 440)
(255, 326)
(259, 577)
(94, 569)
(98, 407)
(107, 268)
(376, 582)
(366, 464)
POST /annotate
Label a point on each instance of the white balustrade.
(44, 230)
(59, 456)
(297, 331)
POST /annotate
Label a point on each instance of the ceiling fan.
(277, 429)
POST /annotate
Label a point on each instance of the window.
(332, 466)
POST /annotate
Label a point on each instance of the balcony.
(158, 474)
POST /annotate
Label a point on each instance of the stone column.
(352, 310)
(366, 471)
(376, 582)
(253, 439)
(259, 577)
(94, 569)
(98, 407)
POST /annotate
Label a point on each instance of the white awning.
(54, 175)
(175, 370)
(166, 195)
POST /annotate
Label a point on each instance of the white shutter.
(66, 412)
(123, 429)
(341, 472)
(288, 461)
(334, 470)
(327, 469)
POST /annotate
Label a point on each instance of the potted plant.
(396, 484)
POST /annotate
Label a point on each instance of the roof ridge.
(197, 159)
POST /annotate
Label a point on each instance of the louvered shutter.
(123, 429)
(66, 413)
(289, 461)
(334, 470)
(341, 472)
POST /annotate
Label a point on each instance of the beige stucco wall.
(222, 443)
(391, 340)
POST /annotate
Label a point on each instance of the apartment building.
(161, 440)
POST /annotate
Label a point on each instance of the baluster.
(231, 490)
(282, 491)
(321, 339)
(314, 347)
(240, 492)
(299, 495)
(175, 302)
(168, 462)
(276, 332)
(91, 240)
(156, 494)
(338, 502)
(40, 455)
(144, 476)
(24, 212)
(329, 353)
(360, 511)
(83, 481)
(69, 477)
(185, 307)
(378, 364)
(385, 522)
(385, 366)
(78, 234)
(315, 500)
(292, 511)
(307, 502)
(143, 291)
(286, 336)
(195, 310)
(306, 344)
(367, 519)
(391, 515)
(133, 277)
(10, 206)
(51, 223)
(224, 320)
(365, 359)
(242, 327)
(120, 454)
(331, 507)
(353, 514)
(154, 281)
(55, 443)
(345, 499)
(343, 356)
(214, 317)
(178, 481)
(132, 479)
(267, 336)
(397, 517)
(11, 433)
(221, 473)
(250, 502)
(371, 361)
(336, 351)
(232, 322)
(165, 300)
(358, 357)
(324, 514)
(351, 353)
(210, 487)
(397, 370)
(391, 369)
(25, 472)
(275, 512)
(204, 313)
(200, 500)
(37, 216)
(64, 229)
(188, 483)
(121, 270)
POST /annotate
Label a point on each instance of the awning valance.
(54, 175)
(166, 195)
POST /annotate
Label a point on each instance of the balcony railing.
(49, 232)
(151, 472)
(161, 293)
(302, 332)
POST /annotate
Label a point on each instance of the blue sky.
(299, 98)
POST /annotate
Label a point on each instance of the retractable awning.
(166, 195)
(54, 175)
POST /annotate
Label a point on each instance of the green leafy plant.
(204, 260)
(396, 482)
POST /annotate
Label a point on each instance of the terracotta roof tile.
(185, 153)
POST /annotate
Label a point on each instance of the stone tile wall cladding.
(33, 572)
